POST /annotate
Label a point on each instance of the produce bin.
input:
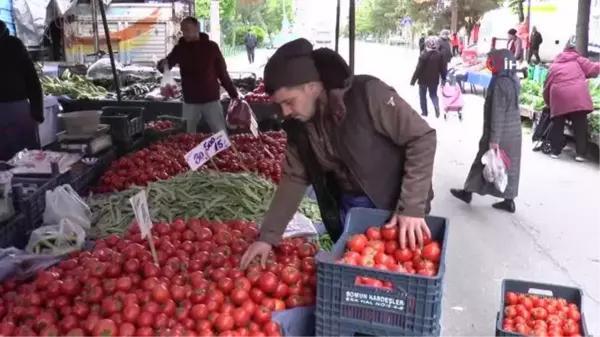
(153, 135)
(572, 295)
(124, 122)
(12, 232)
(85, 176)
(29, 198)
(413, 307)
(297, 321)
(135, 144)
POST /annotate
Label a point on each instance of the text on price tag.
(216, 143)
(142, 214)
(196, 157)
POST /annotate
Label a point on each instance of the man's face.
(190, 31)
(511, 36)
(298, 103)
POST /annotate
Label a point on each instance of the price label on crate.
(196, 157)
(142, 214)
(253, 126)
(216, 143)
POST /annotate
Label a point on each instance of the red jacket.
(203, 70)
(455, 41)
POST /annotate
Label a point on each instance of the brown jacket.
(392, 118)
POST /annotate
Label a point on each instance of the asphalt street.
(552, 238)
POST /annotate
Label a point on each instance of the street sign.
(406, 21)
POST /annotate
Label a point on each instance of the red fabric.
(454, 41)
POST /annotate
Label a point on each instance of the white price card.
(142, 214)
(253, 126)
(216, 143)
(196, 157)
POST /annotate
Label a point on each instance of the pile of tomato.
(161, 125)
(163, 159)
(379, 248)
(258, 95)
(533, 315)
(196, 289)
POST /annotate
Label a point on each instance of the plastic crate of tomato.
(377, 288)
(88, 175)
(124, 122)
(538, 309)
(163, 127)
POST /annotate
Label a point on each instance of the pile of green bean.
(209, 195)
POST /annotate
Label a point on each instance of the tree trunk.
(521, 11)
(583, 25)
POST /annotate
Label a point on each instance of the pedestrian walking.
(536, 40)
(444, 46)
(203, 72)
(353, 139)
(566, 93)
(21, 97)
(430, 68)
(251, 42)
(455, 45)
(515, 44)
(422, 43)
(501, 131)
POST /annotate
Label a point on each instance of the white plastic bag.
(6, 204)
(64, 203)
(102, 69)
(168, 86)
(60, 239)
(495, 169)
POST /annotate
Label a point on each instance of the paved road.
(553, 237)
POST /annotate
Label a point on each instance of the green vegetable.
(210, 195)
(594, 123)
(325, 242)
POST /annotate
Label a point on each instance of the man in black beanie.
(353, 139)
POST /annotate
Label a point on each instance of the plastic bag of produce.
(168, 86)
(65, 204)
(496, 164)
(102, 69)
(239, 114)
(60, 239)
(19, 264)
(6, 204)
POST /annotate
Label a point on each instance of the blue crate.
(12, 232)
(413, 306)
(297, 321)
(82, 182)
(571, 294)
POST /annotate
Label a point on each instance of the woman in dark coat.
(21, 98)
(501, 130)
(430, 69)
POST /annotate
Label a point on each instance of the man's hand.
(494, 146)
(410, 229)
(258, 248)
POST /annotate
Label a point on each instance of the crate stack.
(153, 134)
(126, 127)
(412, 308)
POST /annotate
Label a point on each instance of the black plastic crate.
(29, 198)
(135, 144)
(92, 173)
(153, 135)
(571, 294)
(13, 233)
(413, 305)
(323, 328)
(124, 122)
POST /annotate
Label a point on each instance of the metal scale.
(88, 144)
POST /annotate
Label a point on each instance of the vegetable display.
(74, 86)
(164, 159)
(532, 315)
(209, 195)
(196, 289)
(379, 249)
(258, 95)
(531, 95)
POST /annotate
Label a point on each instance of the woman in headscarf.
(21, 98)
(566, 93)
(501, 131)
(430, 68)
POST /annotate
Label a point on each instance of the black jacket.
(536, 40)
(430, 68)
(421, 44)
(20, 80)
(445, 49)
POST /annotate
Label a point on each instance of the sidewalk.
(239, 63)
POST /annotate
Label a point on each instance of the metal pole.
(352, 33)
(528, 23)
(94, 7)
(337, 26)
(110, 51)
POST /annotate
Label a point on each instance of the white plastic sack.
(102, 69)
(495, 169)
(300, 225)
(60, 239)
(6, 205)
(65, 204)
(168, 86)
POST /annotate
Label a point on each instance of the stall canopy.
(31, 17)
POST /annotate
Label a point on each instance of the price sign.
(196, 157)
(142, 214)
(253, 126)
(215, 144)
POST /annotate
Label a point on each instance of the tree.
(272, 14)
(517, 7)
(583, 25)
(226, 10)
(378, 17)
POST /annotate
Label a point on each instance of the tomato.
(526, 301)
(124, 283)
(241, 317)
(7, 328)
(239, 296)
(357, 243)
(224, 322)
(50, 330)
(131, 313)
(77, 332)
(510, 311)
(144, 332)
(389, 232)
(294, 301)
(145, 319)
(160, 293)
(271, 329)
(127, 330)
(570, 327)
(539, 313)
(403, 255)
(574, 315)
(290, 275)
(177, 293)
(309, 265)
(432, 251)
(226, 285)
(262, 315)
(105, 327)
(268, 282)
(160, 321)
(67, 323)
(199, 312)
(373, 233)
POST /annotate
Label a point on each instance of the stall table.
(478, 79)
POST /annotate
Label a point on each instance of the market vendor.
(203, 72)
(353, 139)
(21, 98)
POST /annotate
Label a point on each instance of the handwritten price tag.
(142, 214)
(196, 157)
(216, 143)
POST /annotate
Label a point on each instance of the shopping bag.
(168, 86)
(64, 203)
(19, 264)
(239, 114)
(55, 240)
(495, 168)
